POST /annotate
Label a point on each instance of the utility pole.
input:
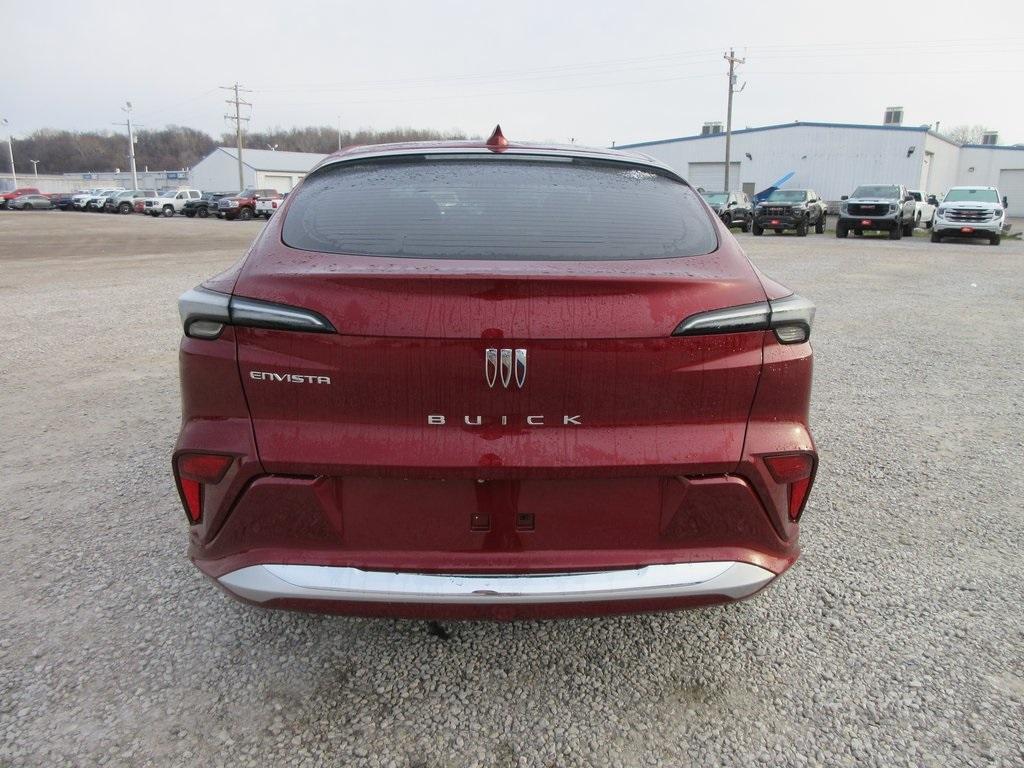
(733, 61)
(10, 152)
(237, 117)
(339, 133)
(127, 109)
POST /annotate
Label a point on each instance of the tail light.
(195, 471)
(204, 314)
(790, 318)
(795, 470)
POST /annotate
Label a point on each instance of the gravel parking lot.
(898, 639)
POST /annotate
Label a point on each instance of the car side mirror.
(845, 197)
(933, 200)
(1006, 203)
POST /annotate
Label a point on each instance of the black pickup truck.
(204, 206)
(784, 209)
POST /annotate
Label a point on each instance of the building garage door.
(280, 183)
(711, 176)
(1011, 184)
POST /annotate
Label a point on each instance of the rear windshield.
(497, 208)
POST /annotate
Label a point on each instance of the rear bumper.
(312, 584)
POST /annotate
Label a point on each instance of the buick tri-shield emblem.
(510, 362)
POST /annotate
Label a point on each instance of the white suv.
(970, 212)
(171, 201)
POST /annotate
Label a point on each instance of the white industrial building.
(261, 168)
(833, 158)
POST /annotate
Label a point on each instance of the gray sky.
(597, 72)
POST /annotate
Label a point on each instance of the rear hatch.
(496, 266)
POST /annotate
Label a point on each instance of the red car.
(6, 197)
(493, 380)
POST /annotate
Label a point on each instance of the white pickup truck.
(170, 202)
(267, 206)
(925, 213)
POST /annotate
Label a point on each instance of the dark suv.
(878, 207)
(790, 209)
(204, 206)
(733, 208)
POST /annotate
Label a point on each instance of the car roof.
(478, 146)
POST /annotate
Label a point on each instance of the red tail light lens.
(797, 471)
(194, 471)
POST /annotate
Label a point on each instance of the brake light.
(204, 314)
(789, 317)
(795, 470)
(196, 470)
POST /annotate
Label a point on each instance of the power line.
(237, 117)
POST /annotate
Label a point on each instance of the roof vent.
(990, 138)
(497, 140)
(893, 116)
(710, 129)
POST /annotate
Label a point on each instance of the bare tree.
(966, 134)
(175, 146)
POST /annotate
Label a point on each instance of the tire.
(928, 224)
(155, 214)
(758, 230)
(124, 208)
(994, 240)
(896, 233)
(168, 211)
(202, 213)
(858, 233)
(778, 231)
(189, 214)
(727, 222)
(245, 214)
(230, 216)
(801, 229)
(936, 238)
(745, 226)
(908, 230)
(819, 225)
(841, 231)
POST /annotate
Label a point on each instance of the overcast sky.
(594, 71)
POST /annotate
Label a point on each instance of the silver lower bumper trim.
(260, 583)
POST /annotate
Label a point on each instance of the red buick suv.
(493, 380)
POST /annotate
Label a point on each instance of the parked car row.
(963, 212)
(193, 203)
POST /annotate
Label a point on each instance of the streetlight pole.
(10, 152)
(35, 170)
(127, 109)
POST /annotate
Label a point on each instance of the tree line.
(177, 147)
